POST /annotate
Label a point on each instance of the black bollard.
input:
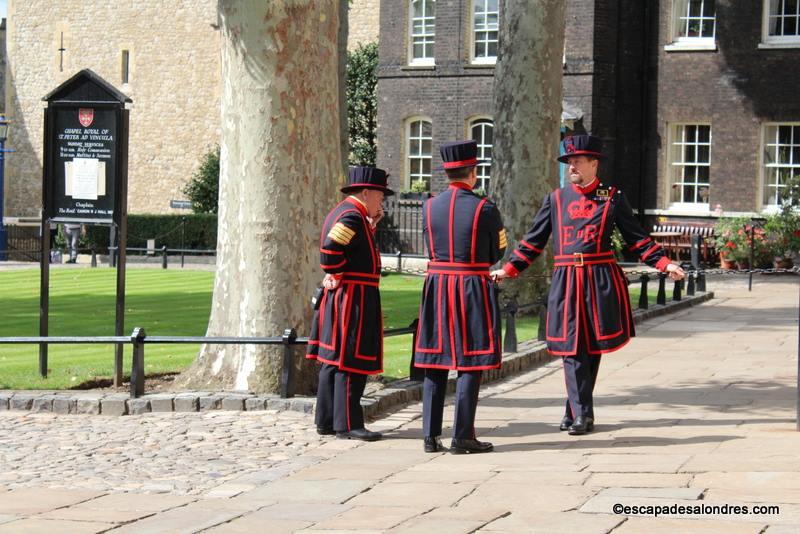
(643, 297)
(661, 298)
(399, 261)
(510, 341)
(164, 257)
(690, 285)
(94, 256)
(137, 363)
(288, 339)
(676, 291)
(701, 282)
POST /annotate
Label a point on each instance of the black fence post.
(690, 285)
(399, 260)
(752, 254)
(510, 341)
(676, 291)
(542, 333)
(94, 256)
(643, 297)
(164, 257)
(701, 282)
(288, 339)
(137, 365)
(416, 374)
(183, 238)
(112, 256)
(661, 298)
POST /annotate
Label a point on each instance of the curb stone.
(530, 354)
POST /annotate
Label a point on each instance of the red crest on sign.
(85, 117)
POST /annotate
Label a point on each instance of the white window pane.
(426, 128)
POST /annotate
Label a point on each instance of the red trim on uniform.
(450, 227)
(650, 250)
(461, 163)
(359, 206)
(332, 252)
(510, 270)
(431, 248)
(334, 266)
(566, 308)
(599, 336)
(585, 190)
(603, 220)
(459, 367)
(528, 245)
(522, 257)
(627, 299)
(661, 264)
(640, 244)
(484, 265)
(461, 185)
(439, 348)
(596, 255)
(560, 221)
(573, 263)
(475, 221)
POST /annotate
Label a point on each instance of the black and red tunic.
(459, 318)
(347, 329)
(588, 293)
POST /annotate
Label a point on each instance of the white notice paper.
(84, 178)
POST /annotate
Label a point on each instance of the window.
(694, 25)
(781, 25)
(419, 152)
(690, 161)
(781, 159)
(423, 31)
(482, 131)
(126, 66)
(485, 20)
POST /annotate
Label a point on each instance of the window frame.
(775, 41)
(763, 166)
(672, 165)
(407, 180)
(471, 123)
(473, 59)
(684, 43)
(426, 61)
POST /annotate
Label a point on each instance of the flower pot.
(726, 264)
(783, 263)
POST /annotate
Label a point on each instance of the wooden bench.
(680, 248)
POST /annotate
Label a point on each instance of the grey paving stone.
(255, 404)
(186, 403)
(277, 404)
(65, 405)
(88, 406)
(233, 403)
(22, 402)
(138, 406)
(302, 405)
(114, 405)
(43, 404)
(210, 402)
(4, 401)
(161, 403)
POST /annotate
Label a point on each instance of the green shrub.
(203, 189)
(199, 232)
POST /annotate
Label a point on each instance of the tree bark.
(527, 103)
(280, 161)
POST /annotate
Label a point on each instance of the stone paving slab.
(47, 526)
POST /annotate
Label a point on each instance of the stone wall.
(363, 22)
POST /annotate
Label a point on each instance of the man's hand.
(330, 282)
(373, 221)
(498, 275)
(675, 272)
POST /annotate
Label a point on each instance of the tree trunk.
(280, 161)
(527, 103)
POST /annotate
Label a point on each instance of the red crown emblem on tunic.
(581, 209)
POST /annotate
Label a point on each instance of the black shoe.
(325, 431)
(565, 423)
(470, 446)
(433, 444)
(360, 433)
(582, 425)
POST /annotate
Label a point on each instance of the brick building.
(695, 99)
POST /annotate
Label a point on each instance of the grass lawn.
(164, 302)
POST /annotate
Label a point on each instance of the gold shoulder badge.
(341, 234)
(602, 194)
(503, 238)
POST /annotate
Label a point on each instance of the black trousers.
(339, 399)
(580, 375)
(466, 402)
